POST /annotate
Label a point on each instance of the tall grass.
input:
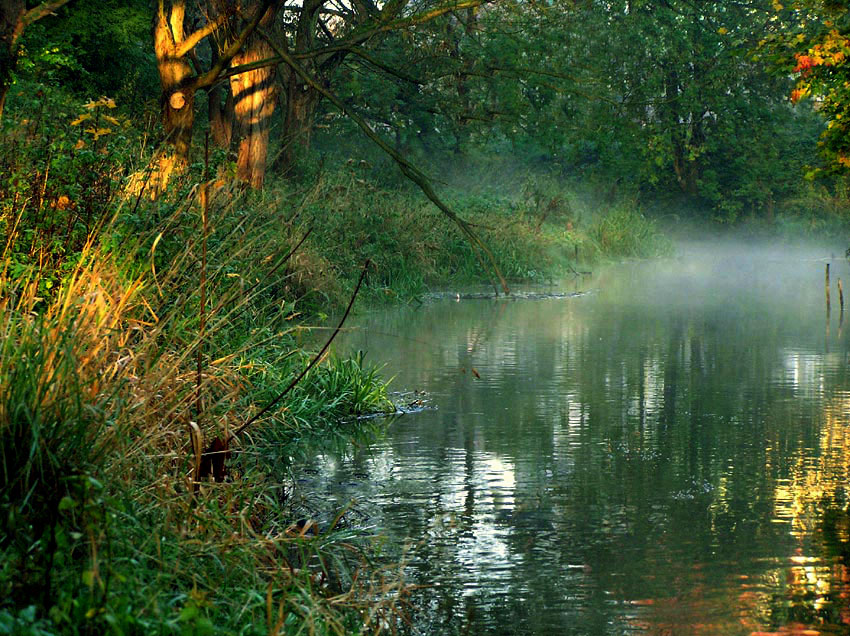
(624, 231)
(536, 229)
(101, 527)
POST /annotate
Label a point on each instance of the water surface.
(667, 455)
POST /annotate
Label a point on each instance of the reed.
(103, 529)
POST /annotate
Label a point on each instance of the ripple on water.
(669, 456)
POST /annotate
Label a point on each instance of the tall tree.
(179, 80)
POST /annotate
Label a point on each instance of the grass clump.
(626, 232)
(103, 382)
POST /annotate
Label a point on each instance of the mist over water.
(666, 455)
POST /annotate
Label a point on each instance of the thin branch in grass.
(313, 362)
(205, 209)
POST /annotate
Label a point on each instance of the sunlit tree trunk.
(14, 18)
(254, 94)
(177, 96)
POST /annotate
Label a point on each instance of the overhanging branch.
(44, 9)
(408, 169)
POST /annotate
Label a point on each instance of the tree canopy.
(668, 99)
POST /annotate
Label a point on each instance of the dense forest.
(188, 185)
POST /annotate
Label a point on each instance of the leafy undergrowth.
(103, 528)
(536, 232)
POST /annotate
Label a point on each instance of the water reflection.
(666, 456)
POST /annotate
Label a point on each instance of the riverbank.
(154, 413)
(154, 410)
(536, 230)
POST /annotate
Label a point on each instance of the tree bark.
(221, 117)
(177, 98)
(254, 96)
(301, 99)
(220, 112)
(301, 103)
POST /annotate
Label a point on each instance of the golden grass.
(120, 342)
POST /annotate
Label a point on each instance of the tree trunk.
(221, 117)
(301, 103)
(301, 100)
(220, 113)
(177, 98)
(254, 95)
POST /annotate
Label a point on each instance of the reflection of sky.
(803, 372)
(621, 463)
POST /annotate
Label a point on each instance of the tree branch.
(359, 52)
(392, 25)
(193, 40)
(349, 44)
(208, 78)
(45, 8)
(408, 169)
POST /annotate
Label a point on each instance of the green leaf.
(66, 503)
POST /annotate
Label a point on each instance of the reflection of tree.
(812, 499)
(669, 463)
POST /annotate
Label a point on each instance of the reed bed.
(105, 384)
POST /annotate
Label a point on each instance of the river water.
(667, 454)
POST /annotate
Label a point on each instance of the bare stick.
(313, 362)
(826, 285)
(840, 296)
(202, 328)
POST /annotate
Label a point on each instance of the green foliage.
(62, 166)
(626, 232)
(705, 124)
(94, 47)
(110, 355)
(346, 387)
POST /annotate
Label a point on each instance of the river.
(666, 454)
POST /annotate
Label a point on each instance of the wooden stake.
(826, 286)
(840, 296)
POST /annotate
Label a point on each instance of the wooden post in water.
(840, 296)
(826, 287)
